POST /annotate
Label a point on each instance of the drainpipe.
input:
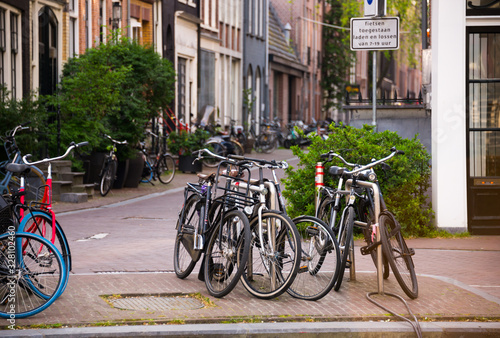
(266, 91)
(129, 25)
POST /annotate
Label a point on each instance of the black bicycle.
(159, 165)
(109, 167)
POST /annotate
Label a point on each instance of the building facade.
(465, 39)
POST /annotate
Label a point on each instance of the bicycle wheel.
(398, 254)
(268, 142)
(33, 185)
(227, 253)
(165, 169)
(107, 178)
(345, 240)
(147, 173)
(272, 265)
(320, 260)
(217, 148)
(31, 281)
(238, 148)
(184, 262)
(39, 222)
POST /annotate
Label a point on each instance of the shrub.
(115, 89)
(404, 186)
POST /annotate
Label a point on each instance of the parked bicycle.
(267, 140)
(223, 146)
(159, 165)
(108, 172)
(364, 197)
(214, 227)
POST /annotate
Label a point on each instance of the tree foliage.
(404, 186)
(115, 89)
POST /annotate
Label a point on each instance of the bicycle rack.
(376, 195)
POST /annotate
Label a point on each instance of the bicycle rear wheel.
(184, 256)
(320, 260)
(398, 254)
(31, 281)
(107, 178)
(166, 169)
(227, 253)
(273, 264)
(345, 240)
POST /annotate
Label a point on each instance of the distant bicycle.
(109, 167)
(159, 166)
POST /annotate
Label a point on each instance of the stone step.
(84, 188)
(60, 187)
(75, 177)
(74, 197)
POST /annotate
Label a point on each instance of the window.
(14, 49)
(181, 88)
(207, 79)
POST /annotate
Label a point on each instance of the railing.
(394, 101)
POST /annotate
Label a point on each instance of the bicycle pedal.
(411, 251)
(303, 269)
(312, 231)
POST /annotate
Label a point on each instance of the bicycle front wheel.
(345, 240)
(32, 278)
(185, 257)
(107, 178)
(398, 255)
(217, 148)
(41, 223)
(165, 169)
(319, 262)
(274, 262)
(227, 253)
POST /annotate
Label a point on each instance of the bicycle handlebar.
(72, 146)
(115, 141)
(359, 168)
(261, 163)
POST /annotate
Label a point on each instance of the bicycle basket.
(232, 180)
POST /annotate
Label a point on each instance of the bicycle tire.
(227, 253)
(165, 169)
(218, 149)
(345, 240)
(107, 178)
(263, 277)
(320, 260)
(238, 148)
(33, 183)
(36, 278)
(39, 222)
(398, 254)
(147, 173)
(183, 261)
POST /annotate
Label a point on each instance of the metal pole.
(374, 89)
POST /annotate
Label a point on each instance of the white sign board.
(374, 34)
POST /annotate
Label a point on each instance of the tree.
(339, 58)
(114, 88)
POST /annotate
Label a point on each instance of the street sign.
(374, 33)
(371, 8)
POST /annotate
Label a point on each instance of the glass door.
(483, 129)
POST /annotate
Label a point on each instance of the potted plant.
(183, 144)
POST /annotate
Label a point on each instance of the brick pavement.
(457, 281)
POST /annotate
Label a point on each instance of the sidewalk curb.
(316, 329)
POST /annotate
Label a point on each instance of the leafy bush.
(404, 186)
(14, 112)
(184, 143)
(115, 89)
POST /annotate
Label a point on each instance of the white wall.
(449, 175)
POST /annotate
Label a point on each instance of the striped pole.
(320, 172)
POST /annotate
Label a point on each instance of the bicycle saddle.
(17, 168)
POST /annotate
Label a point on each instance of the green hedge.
(404, 186)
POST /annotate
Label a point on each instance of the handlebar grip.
(400, 152)
(81, 144)
(25, 123)
(325, 155)
(236, 157)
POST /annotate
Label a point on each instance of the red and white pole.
(319, 182)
